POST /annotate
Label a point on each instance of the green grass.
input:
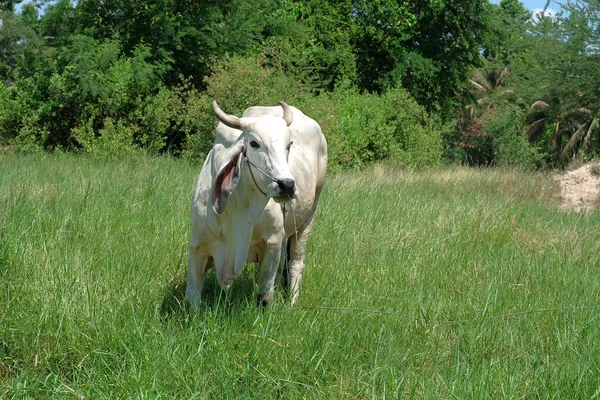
(460, 283)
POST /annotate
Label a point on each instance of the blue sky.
(533, 4)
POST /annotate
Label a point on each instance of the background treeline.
(413, 82)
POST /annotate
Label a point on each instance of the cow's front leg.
(196, 272)
(269, 265)
(296, 267)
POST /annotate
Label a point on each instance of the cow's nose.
(287, 186)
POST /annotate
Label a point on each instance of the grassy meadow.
(457, 283)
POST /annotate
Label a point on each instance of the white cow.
(269, 158)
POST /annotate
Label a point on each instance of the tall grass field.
(457, 283)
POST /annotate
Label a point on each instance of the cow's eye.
(289, 146)
(254, 144)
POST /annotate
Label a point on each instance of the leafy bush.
(418, 132)
(7, 114)
(20, 116)
(497, 138)
(96, 99)
(178, 121)
(510, 146)
(114, 139)
(240, 82)
(88, 82)
(360, 128)
(109, 106)
(363, 128)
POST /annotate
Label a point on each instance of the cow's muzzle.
(287, 188)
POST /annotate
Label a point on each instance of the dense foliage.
(413, 82)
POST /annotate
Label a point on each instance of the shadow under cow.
(241, 294)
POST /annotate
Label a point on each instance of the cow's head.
(263, 146)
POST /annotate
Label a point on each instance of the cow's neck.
(244, 207)
(247, 200)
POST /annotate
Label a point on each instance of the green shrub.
(7, 116)
(87, 82)
(364, 128)
(96, 99)
(240, 82)
(493, 135)
(21, 116)
(110, 105)
(510, 146)
(418, 133)
(114, 139)
(360, 128)
(179, 121)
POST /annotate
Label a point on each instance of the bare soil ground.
(580, 188)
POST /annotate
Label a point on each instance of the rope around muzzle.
(250, 165)
(283, 205)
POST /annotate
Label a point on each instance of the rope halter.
(250, 165)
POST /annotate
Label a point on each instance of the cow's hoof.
(262, 301)
(193, 297)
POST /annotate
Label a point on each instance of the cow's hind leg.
(284, 262)
(296, 250)
(196, 272)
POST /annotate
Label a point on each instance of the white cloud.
(536, 13)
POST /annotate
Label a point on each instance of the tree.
(8, 5)
(185, 37)
(18, 45)
(427, 47)
(563, 71)
(506, 24)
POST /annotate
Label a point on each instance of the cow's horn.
(230, 120)
(288, 116)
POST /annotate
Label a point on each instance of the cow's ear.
(227, 178)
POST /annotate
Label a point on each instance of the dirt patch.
(580, 188)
